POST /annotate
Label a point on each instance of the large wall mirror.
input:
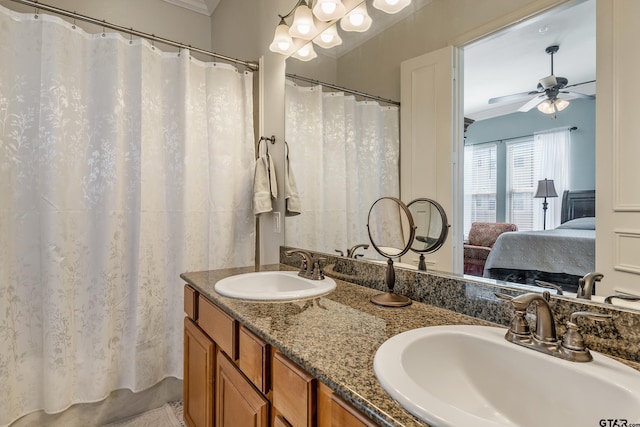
(498, 137)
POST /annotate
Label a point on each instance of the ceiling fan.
(546, 96)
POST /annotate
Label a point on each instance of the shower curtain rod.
(253, 66)
(343, 89)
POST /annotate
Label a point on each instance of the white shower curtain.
(121, 166)
(344, 155)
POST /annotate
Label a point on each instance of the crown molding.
(206, 7)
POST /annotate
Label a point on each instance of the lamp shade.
(391, 6)
(545, 189)
(303, 26)
(329, 10)
(282, 41)
(305, 53)
(357, 20)
(328, 38)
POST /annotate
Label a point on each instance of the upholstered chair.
(482, 236)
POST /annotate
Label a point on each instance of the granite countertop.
(333, 337)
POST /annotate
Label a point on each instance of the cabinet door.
(334, 411)
(293, 392)
(238, 403)
(199, 357)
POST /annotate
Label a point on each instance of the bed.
(561, 255)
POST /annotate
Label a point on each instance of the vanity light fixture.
(551, 106)
(357, 20)
(282, 41)
(329, 10)
(305, 53)
(328, 38)
(316, 20)
(303, 26)
(391, 6)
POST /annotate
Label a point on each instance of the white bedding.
(561, 250)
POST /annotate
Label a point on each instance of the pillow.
(586, 223)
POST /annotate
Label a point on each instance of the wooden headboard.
(578, 204)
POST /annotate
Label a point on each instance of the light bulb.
(328, 7)
(328, 38)
(357, 20)
(329, 10)
(546, 107)
(391, 6)
(305, 53)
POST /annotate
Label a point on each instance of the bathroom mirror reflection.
(346, 75)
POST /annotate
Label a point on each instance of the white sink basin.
(273, 286)
(471, 376)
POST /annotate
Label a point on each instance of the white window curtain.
(551, 162)
(344, 155)
(480, 184)
(121, 167)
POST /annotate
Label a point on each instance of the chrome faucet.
(587, 283)
(544, 338)
(351, 253)
(309, 267)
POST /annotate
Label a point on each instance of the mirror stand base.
(389, 299)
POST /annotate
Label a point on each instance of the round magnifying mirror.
(432, 227)
(391, 231)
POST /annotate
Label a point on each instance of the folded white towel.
(265, 186)
(291, 195)
(261, 190)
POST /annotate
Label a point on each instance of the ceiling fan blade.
(512, 97)
(578, 95)
(579, 84)
(532, 103)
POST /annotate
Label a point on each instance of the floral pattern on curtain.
(344, 155)
(121, 166)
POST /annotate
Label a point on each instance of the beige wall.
(150, 16)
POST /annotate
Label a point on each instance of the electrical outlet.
(276, 222)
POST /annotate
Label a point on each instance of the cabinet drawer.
(222, 328)
(191, 302)
(254, 359)
(294, 392)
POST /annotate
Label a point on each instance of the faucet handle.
(339, 252)
(623, 297)
(573, 347)
(519, 330)
(318, 274)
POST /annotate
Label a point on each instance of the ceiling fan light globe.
(561, 104)
(546, 107)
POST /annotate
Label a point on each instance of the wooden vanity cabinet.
(234, 378)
